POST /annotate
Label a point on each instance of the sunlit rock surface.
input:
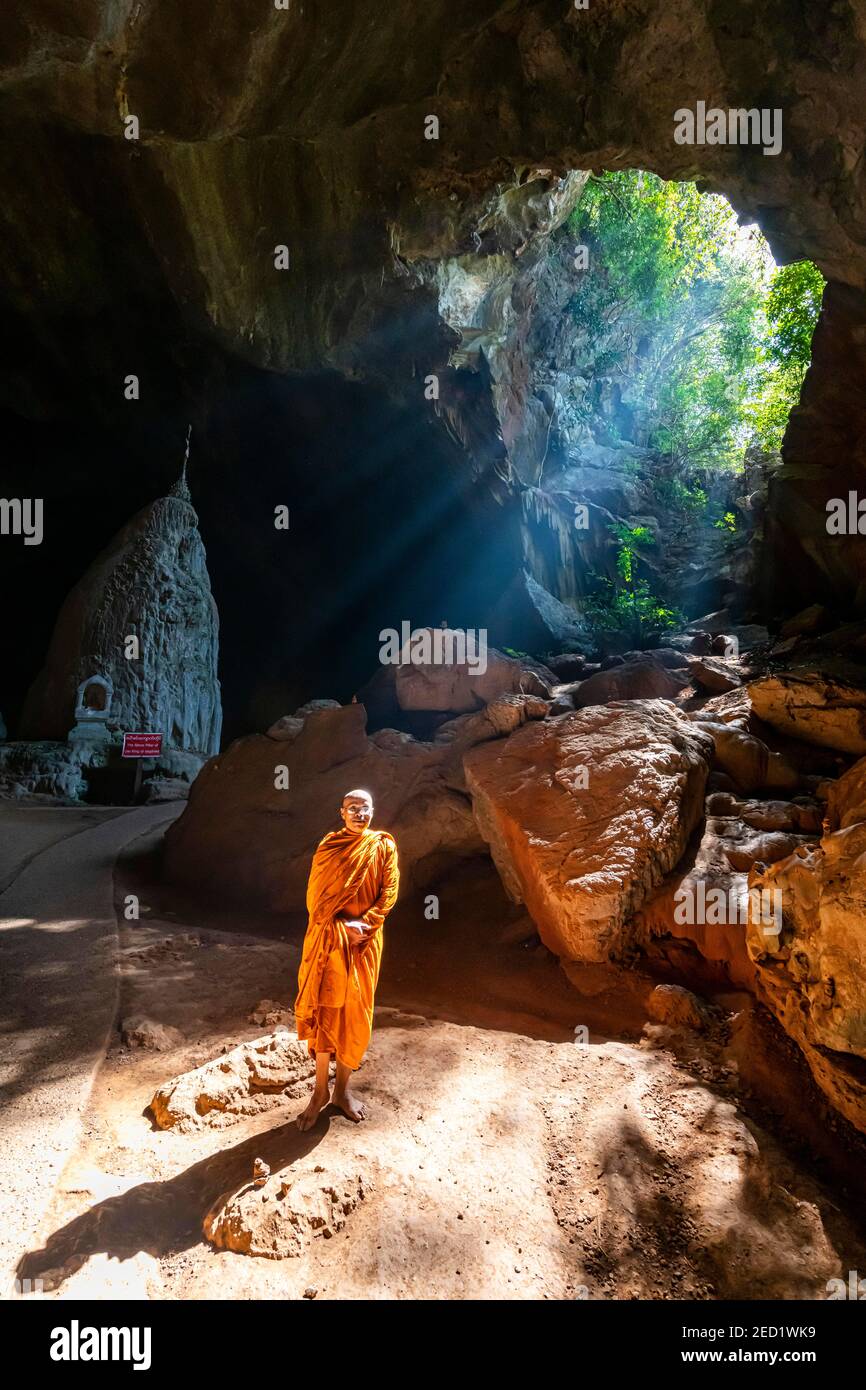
(585, 814)
(257, 812)
(813, 707)
(813, 973)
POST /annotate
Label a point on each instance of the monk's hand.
(356, 931)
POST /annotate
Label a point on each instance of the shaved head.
(356, 811)
(358, 794)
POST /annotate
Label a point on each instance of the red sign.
(142, 745)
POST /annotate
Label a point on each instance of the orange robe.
(352, 877)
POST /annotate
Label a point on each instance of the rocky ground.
(529, 1137)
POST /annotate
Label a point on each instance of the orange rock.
(586, 813)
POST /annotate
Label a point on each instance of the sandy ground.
(59, 1001)
(27, 830)
(501, 1159)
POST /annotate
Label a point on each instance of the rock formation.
(243, 833)
(245, 1080)
(814, 707)
(585, 815)
(813, 972)
(279, 1218)
(151, 583)
(410, 255)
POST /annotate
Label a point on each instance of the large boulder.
(746, 759)
(846, 800)
(449, 687)
(812, 973)
(808, 621)
(249, 830)
(458, 687)
(712, 674)
(815, 707)
(644, 679)
(585, 814)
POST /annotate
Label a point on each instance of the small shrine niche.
(92, 710)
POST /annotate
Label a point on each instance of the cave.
(324, 326)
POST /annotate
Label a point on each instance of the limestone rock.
(530, 618)
(285, 729)
(498, 719)
(279, 1218)
(461, 687)
(712, 623)
(143, 1032)
(807, 621)
(633, 680)
(245, 1080)
(704, 902)
(733, 707)
(586, 813)
(329, 736)
(744, 847)
(713, 675)
(151, 581)
(243, 837)
(813, 973)
(846, 799)
(677, 1007)
(696, 643)
(748, 760)
(161, 789)
(45, 768)
(571, 666)
(813, 707)
(803, 816)
(669, 657)
(785, 648)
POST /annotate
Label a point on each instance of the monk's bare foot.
(351, 1105)
(318, 1101)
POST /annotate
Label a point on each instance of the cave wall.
(824, 453)
(305, 127)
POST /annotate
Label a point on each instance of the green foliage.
(679, 497)
(628, 606)
(632, 610)
(726, 337)
(728, 522)
(792, 307)
(655, 239)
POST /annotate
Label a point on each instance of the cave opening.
(445, 286)
(608, 413)
(670, 349)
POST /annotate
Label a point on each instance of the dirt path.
(501, 1160)
(58, 939)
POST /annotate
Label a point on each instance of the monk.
(352, 888)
